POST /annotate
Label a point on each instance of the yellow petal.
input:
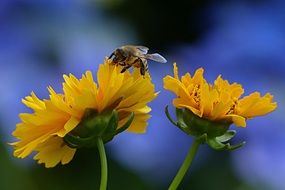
(175, 71)
(180, 104)
(186, 79)
(208, 97)
(220, 110)
(34, 102)
(139, 123)
(69, 125)
(54, 151)
(198, 77)
(237, 119)
(175, 86)
(234, 90)
(255, 105)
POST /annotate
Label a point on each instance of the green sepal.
(214, 133)
(109, 136)
(192, 124)
(179, 123)
(227, 136)
(78, 142)
(199, 126)
(202, 139)
(81, 129)
(70, 141)
(127, 124)
(179, 115)
(96, 125)
(169, 117)
(217, 143)
(234, 147)
(93, 123)
(111, 127)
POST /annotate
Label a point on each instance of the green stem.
(104, 167)
(186, 164)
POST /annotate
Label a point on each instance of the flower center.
(232, 109)
(196, 93)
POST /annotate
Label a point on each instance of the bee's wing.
(156, 57)
(143, 49)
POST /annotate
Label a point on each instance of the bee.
(136, 56)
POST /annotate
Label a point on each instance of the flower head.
(118, 101)
(217, 102)
(206, 105)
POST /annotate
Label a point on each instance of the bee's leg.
(111, 55)
(143, 67)
(146, 65)
(142, 70)
(125, 68)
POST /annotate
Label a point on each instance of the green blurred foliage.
(11, 176)
(216, 174)
(83, 172)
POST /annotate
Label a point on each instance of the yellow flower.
(44, 130)
(220, 101)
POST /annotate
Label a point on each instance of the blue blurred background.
(242, 40)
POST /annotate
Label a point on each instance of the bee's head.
(120, 55)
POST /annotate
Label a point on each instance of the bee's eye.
(120, 56)
(121, 52)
